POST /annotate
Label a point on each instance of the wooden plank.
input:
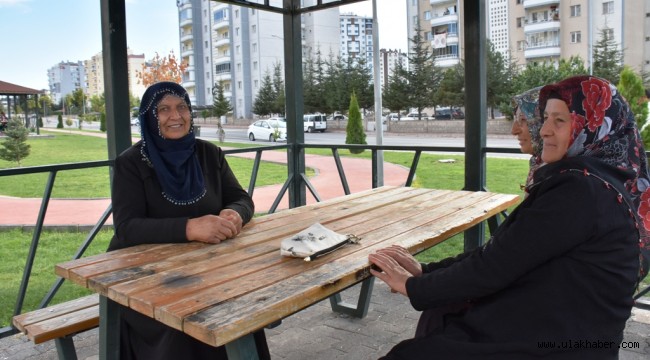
(78, 271)
(23, 320)
(69, 324)
(222, 324)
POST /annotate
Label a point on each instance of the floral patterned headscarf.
(603, 127)
(527, 103)
(174, 161)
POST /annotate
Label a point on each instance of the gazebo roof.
(13, 89)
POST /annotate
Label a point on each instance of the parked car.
(338, 117)
(135, 121)
(271, 130)
(393, 117)
(314, 122)
(415, 116)
(448, 114)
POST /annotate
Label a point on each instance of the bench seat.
(60, 322)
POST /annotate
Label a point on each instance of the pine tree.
(221, 106)
(14, 148)
(395, 94)
(354, 130)
(608, 59)
(102, 122)
(265, 99)
(278, 90)
(59, 123)
(423, 75)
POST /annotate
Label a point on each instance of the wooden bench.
(60, 323)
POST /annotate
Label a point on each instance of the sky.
(38, 34)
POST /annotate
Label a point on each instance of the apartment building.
(356, 38)
(539, 31)
(388, 60)
(239, 46)
(94, 68)
(64, 78)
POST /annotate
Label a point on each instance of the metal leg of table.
(65, 348)
(361, 309)
(109, 329)
(242, 349)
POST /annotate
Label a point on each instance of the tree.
(15, 148)
(161, 69)
(221, 106)
(265, 99)
(451, 93)
(631, 87)
(499, 79)
(354, 130)
(608, 58)
(423, 75)
(278, 89)
(98, 103)
(395, 94)
(59, 123)
(102, 122)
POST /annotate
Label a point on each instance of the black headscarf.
(174, 161)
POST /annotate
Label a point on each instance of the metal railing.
(53, 170)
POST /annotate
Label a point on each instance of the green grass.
(61, 148)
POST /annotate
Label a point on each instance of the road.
(239, 135)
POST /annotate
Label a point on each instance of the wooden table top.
(218, 293)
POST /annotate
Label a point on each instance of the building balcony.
(452, 39)
(185, 22)
(221, 24)
(189, 51)
(222, 42)
(444, 19)
(186, 36)
(542, 50)
(447, 61)
(221, 60)
(442, 2)
(222, 76)
(538, 3)
(541, 26)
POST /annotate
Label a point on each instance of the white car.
(271, 130)
(135, 121)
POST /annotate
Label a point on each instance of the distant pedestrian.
(3, 121)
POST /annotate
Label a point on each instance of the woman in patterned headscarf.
(556, 279)
(525, 126)
(171, 187)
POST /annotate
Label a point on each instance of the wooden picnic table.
(220, 294)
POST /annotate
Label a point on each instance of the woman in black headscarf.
(556, 279)
(172, 188)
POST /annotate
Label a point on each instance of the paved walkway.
(315, 333)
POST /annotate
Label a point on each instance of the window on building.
(521, 45)
(253, 11)
(255, 83)
(236, 31)
(205, 28)
(608, 7)
(207, 74)
(239, 85)
(238, 49)
(207, 60)
(255, 47)
(206, 44)
(427, 15)
(239, 67)
(236, 13)
(575, 10)
(576, 37)
(254, 65)
(520, 22)
(205, 13)
(254, 29)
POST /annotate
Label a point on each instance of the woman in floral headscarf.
(525, 126)
(171, 187)
(556, 279)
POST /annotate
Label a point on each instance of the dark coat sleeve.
(558, 219)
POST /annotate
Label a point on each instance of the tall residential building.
(547, 31)
(94, 68)
(64, 78)
(537, 31)
(388, 60)
(239, 46)
(356, 38)
(440, 22)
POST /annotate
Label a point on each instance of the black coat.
(555, 281)
(142, 216)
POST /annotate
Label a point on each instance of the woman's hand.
(211, 229)
(391, 272)
(234, 217)
(403, 258)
